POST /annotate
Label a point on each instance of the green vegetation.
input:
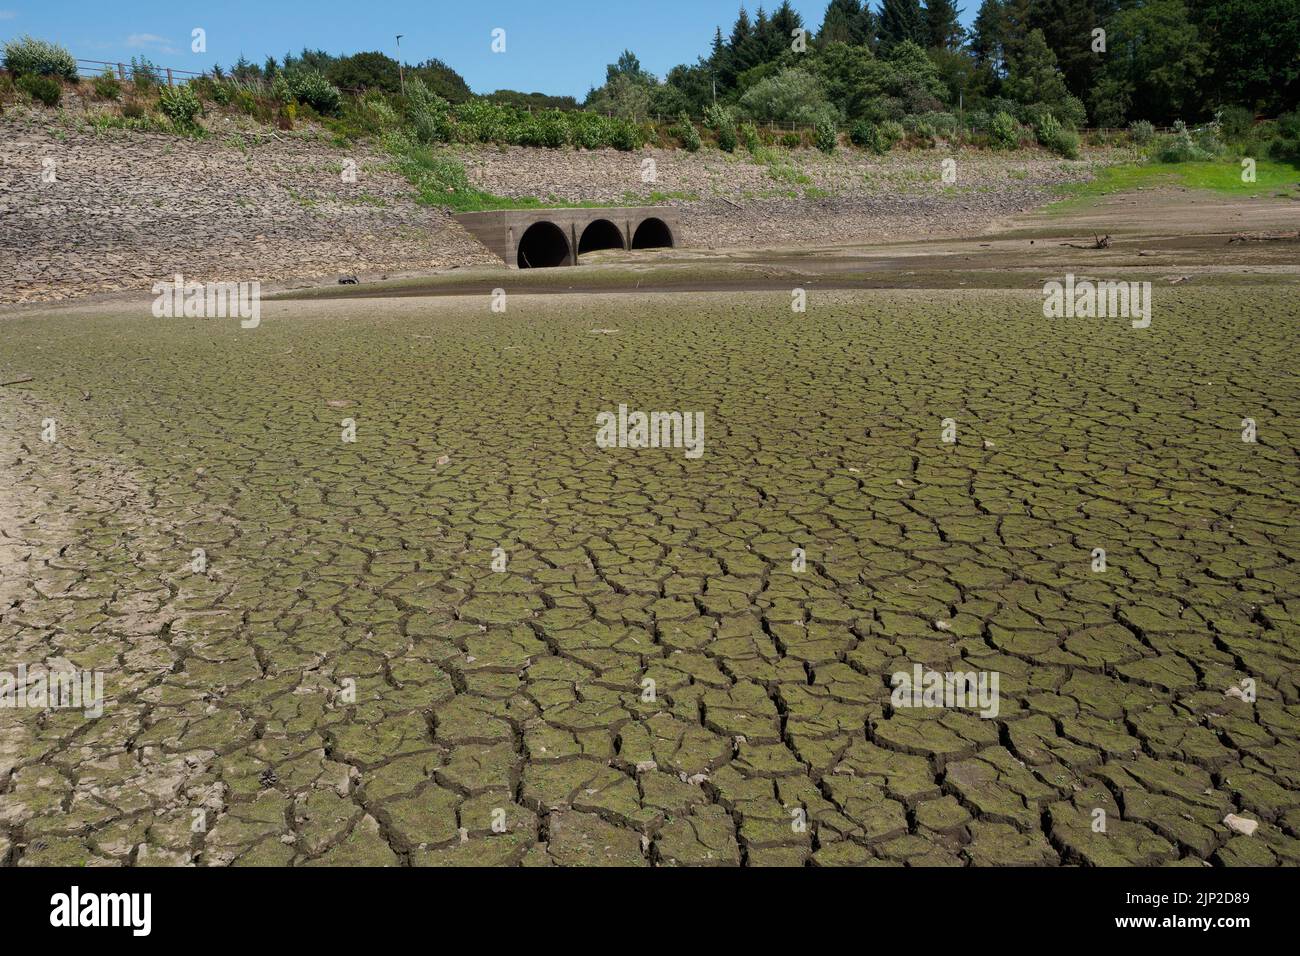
(1019, 76)
(106, 85)
(181, 105)
(687, 134)
(42, 89)
(826, 136)
(1052, 135)
(26, 56)
(1220, 176)
(1004, 132)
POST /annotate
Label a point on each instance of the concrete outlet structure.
(541, 238)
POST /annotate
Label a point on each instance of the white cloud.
(150, 41)
(7, 15)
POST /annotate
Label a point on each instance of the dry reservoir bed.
(352, 677)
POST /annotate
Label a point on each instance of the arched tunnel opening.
(652, 234)
(600, 234)
(542, 246)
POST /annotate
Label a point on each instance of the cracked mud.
(349, 681)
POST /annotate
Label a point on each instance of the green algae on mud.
(350, 681)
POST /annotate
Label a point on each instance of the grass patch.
(1217, 175)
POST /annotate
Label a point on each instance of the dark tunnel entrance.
(600, 234)
(652, 234)
(542, 246)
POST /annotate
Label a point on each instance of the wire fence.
(132, 71)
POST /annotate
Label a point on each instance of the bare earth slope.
(126, 209)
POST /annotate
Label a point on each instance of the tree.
(1033, 77)
(442, 80)
(1254, 51)
(986, 36)
(740, 54)
(848, 75)
(901, 20)
(1067, 27)
(365, 71)
(943, 29)
(623, 97)
(784, 22)
(793, 96)
(695, 83)
(1156, 61)
(848, 21)
(628, 65)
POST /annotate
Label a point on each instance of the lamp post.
(401, 73)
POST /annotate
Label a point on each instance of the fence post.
(169, 76)
(121, 72)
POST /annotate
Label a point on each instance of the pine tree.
(986, 36)
(901, 20)
(784, 22)
(848, 21)
(943, 29)
(1067, 27)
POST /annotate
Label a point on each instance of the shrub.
(482, 121)
(1003, 131)
(1142, 132)
(891, 132)
(1235, 122)
(588, 130)
(429, 113)
(826, 136)
(310, 87)
(749, 137)
(791, 140)
(245, 102)
(281, 91)
(922, 131)
(1286, 145)
(1207, 140)
(181, 105)
(7, 89)
(719, 119)
(222, 92)
(144, 74)
(792, 96)
(943, 124)
(547, 128)
(28, 56)
(625, 135)
(1179, 147)
(1071, 112)
(686, 133)
(1052, 135)
(46, 89)
(727, 139)
(133, 110)
(106, 85)
(868, 136)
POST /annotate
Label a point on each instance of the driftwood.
(1264, 237)
(1098, 242)
(17, 381)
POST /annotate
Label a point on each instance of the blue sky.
(554, 46)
